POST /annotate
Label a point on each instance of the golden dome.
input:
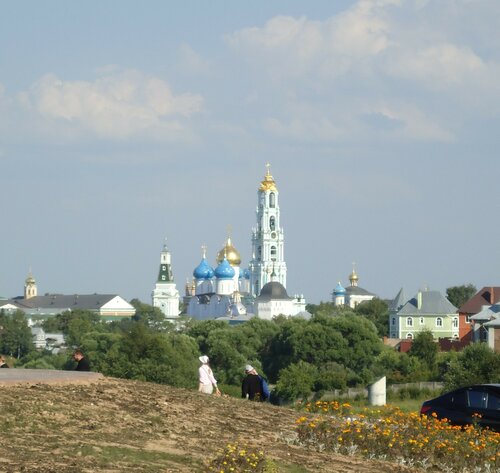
(268, 183)
(353, 276)
(230, 252)
(30, 279)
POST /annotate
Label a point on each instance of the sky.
(123, 123)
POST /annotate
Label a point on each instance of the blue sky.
(122, 123)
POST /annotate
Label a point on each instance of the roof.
(71, 302)
(495, 323)
(398, 302)
(433, 303)
(487, 313)
(486, 296)
(273, 290)
(357, 291)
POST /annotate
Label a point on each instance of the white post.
(377, 392)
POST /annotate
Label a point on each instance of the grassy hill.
(116, 425)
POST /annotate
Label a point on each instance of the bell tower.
(30, 289)
(165, 294)
(267, 238)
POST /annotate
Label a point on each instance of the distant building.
(273, 300)
(352, 295)
(165, 294)
(109, 306)
(47, 341)
(485, 297)
(427, 310)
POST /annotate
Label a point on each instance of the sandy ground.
(111, 425)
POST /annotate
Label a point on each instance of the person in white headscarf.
(207, 379)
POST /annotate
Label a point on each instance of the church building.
(165, 294)
(352, 295)
(228, 291)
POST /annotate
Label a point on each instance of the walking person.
(251, 387)
(206, 376)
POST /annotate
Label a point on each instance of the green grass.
(146, 459)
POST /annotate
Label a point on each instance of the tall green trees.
(476, 364)
(459, 295)
(15, 335)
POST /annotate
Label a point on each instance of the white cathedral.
(228, 292)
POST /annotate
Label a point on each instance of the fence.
(351, 393)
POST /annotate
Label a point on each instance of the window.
(409, 336)
(422, 321)
(455, 322)
(272, 200)
(273, 253)
(467, 319)
(477, 399)
(272, 223)
(394, 321)
(409, 322)
(439, 322)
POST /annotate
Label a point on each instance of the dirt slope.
(115, 425)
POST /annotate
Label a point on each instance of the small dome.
(224, 270)
(30, 280)
(203, 270)
(353, 276)
(339, 290)
(230, 253)
(246, 273)
(274, 290)
(268, 183)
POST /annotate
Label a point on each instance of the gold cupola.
(353, 277)
(230, 252)
(268, 183)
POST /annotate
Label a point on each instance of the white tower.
(30, 289)
(267, 238)
(165, 294)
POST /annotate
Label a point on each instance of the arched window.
(409, 322)
(439, 322)
(259, 251)
(272, 200)
(273, 253)
(409, 336)
(272, 223)
(455, 322)
(394, 321)
(421, 321)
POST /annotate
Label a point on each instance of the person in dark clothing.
(83, 363)
(3, 364)
(251, 387)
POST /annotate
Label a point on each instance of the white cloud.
(401, 69)
(190, 62)
(117, 105)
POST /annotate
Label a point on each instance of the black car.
(460, 405)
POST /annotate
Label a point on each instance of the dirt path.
(114, 425)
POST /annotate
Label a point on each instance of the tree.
(425, 348)
(15, 335)
(476, 364)
(459, 295)
(296, 381)
(377, 311)
(151, 316)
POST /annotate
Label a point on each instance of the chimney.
(419, 300)
(492, 296)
